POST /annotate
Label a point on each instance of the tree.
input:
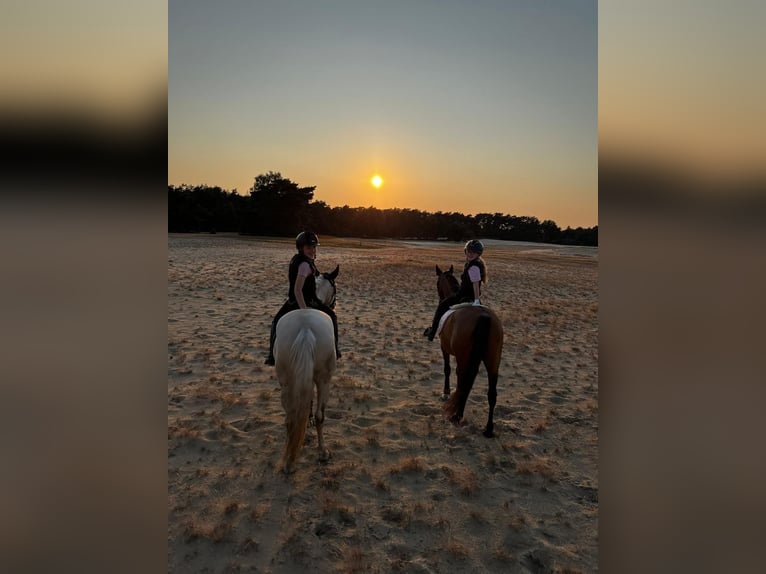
(279, 206)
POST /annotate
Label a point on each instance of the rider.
(302, 292)
(474, 274)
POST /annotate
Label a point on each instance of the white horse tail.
(297, 395)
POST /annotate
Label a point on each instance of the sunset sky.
(487, 106)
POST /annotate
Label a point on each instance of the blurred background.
(83, 220)
(682, 273)
(83, 238)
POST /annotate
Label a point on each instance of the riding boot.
(335, 333)
(431, 331)
(270, 359)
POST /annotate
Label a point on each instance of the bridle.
(331, 304)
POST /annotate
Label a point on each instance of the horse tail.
(300, 393)
(479, 346)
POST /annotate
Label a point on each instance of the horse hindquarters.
(468, 363)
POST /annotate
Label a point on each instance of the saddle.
(451, 310)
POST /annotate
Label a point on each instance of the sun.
(376, 181)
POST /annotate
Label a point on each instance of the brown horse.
(474, 335)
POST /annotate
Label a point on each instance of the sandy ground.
(404, 490)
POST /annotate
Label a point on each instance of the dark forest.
(276, 206)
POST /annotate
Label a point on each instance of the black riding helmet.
(474, 245)
(306, 238)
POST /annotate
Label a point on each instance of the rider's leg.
(325, 309)
(440, 310)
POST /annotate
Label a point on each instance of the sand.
(404, 490)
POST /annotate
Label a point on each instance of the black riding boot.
(270, 359)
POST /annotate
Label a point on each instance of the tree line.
(277, 206)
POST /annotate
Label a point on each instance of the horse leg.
(447, 371)
(491, 399)
(459, 412)
(323, 386)
(311, 414)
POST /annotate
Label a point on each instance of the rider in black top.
(470, 284)
(302, 290)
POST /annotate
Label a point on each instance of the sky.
(471, 107)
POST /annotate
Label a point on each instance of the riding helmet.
(306, 238)
(474, 245)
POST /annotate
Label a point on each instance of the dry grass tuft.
(518, 522)
(477, 516)
(502, 555)
(457, 550)
(332, 506)
(247, 546)
(410, 464)
(354, 560)
(259, 511)
(219, 533)
(373, 438)
(542, 466)
(465, 479)
(182, 430)
(329, 483)
(232, 507)
(397, 514)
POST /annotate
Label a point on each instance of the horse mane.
(446, 282)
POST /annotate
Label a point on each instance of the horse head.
(325, 287)
(446, 282)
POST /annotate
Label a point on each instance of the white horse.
(304, 351)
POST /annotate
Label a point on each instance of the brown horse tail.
(478, 351)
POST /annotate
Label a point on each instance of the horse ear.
(438, 271)
(451, 269)
(334, 274)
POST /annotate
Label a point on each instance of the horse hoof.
(488, 433)
(324, 456)
(445, 397)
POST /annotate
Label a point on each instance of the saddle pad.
(467, 304)
(441, 321)
(449, 312)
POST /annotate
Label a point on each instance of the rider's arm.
(303, 271)
(475, 275)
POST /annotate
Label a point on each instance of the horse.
(473, 334)
(304, 353)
